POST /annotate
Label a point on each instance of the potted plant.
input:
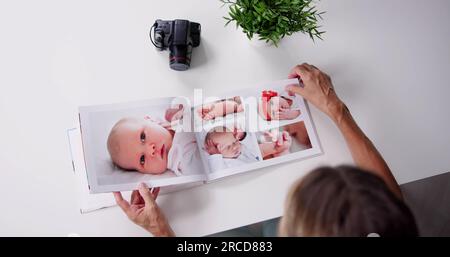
(271, 20)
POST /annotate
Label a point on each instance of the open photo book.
(176, 141)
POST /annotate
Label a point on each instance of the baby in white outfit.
(226, 150)
(150, 146)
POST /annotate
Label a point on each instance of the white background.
(389, 60)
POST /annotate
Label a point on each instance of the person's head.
(221, 140)
(345, 201)
(139, 144)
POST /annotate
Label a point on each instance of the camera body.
(179, 36)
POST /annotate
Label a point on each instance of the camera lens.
(180, 57)
(159, 40)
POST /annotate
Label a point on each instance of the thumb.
(144, 191)
(293, 75)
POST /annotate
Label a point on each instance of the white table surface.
(389, 60)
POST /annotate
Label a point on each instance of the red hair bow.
(266, 95)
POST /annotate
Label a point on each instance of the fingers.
(281, 114)
(155, 192)
(308, 67)
(123, 204)
(283, 137)
(220, 147)
(288, 141)
(136, 197)
(146, 194)
(302, 70)
(293, 75)
(279, 141)
(296, 72)
(299, 70)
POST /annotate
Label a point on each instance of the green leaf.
(271, 20)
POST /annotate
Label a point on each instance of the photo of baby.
(218, 111)
(140, 142)
(278, 105)
(220, 108)
(285, 140)
(154, 141)
(151, 146)
(225, 147)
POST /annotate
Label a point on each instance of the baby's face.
(227, 144)
(144, 146)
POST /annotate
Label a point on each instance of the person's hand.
(143, 210)
(317, 88)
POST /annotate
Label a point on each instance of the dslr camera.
(179, 36)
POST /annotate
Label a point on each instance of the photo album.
(175, 141)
